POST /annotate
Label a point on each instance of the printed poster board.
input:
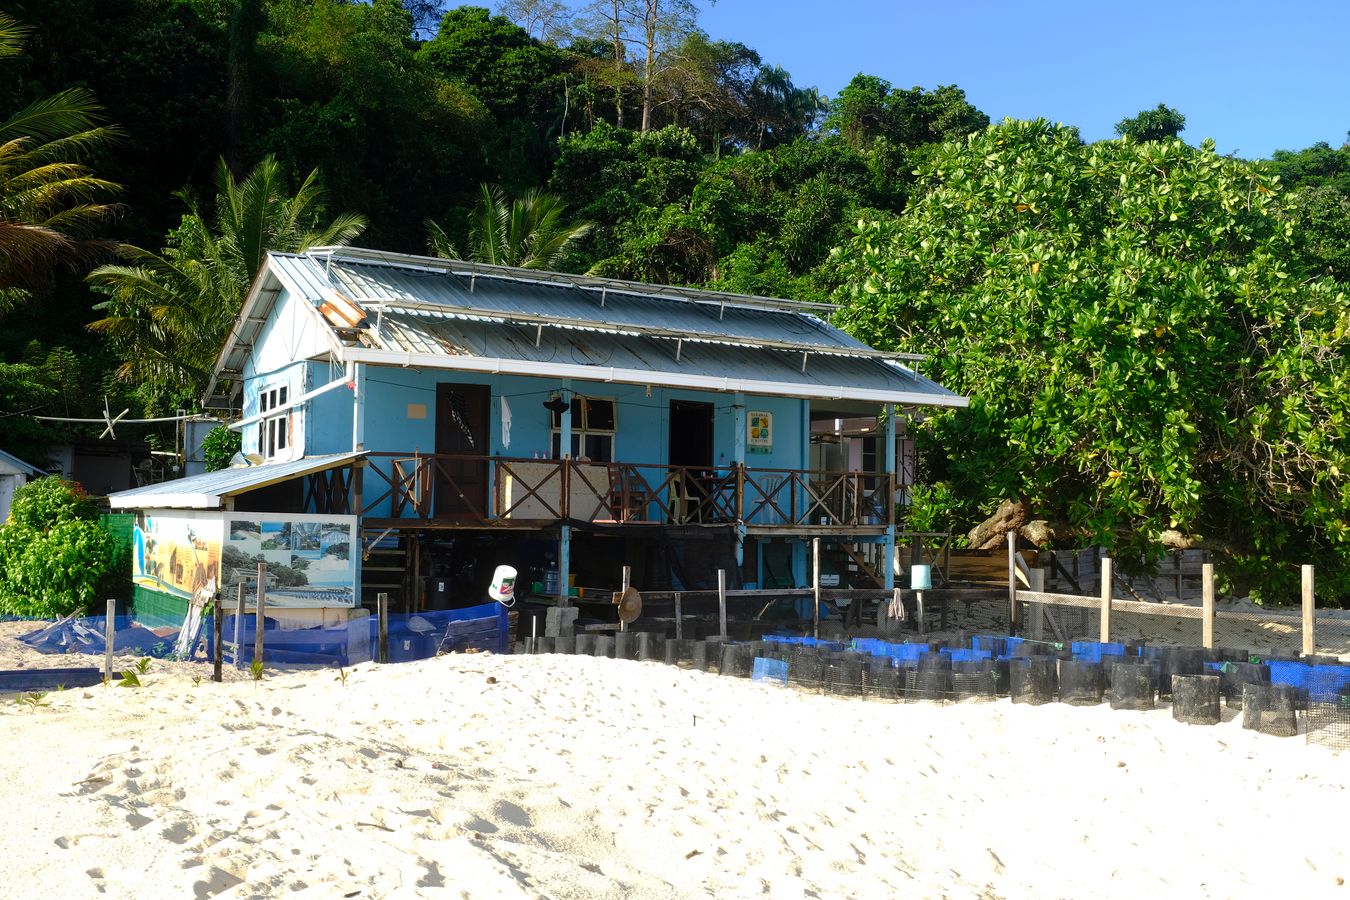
(759, 431)
(310, 559)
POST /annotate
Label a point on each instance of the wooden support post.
(218, 635)
(679, 618)
(109, 637)
(1106, 600)
(261, 606)
(238, 625)
(1206, 604)
(1309, 613)
(722, 601)
(624, 578)
(918, 611)
(1012, 582)
(1037, 610)
(382, 610)
(815, 584)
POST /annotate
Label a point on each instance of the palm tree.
(527, 232)
(168, 313)
(50, 203)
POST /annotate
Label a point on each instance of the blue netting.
(411, 636)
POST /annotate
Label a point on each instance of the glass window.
(593, 429)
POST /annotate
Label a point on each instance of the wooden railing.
(519, 491)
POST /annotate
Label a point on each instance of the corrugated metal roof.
(428, 312)
(209, 490)
(20, 464)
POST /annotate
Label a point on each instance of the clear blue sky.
(1255, 76)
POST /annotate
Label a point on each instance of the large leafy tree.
(51, 203)
(528, 232)
(1160, 124)
(168, 313)
(1138, 358)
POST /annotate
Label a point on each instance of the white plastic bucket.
(503, 587)
(920, 578)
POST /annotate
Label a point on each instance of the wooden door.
(461, 451)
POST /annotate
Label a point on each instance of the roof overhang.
(610, 374)
(212, 489)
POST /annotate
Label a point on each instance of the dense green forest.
(1151, 334)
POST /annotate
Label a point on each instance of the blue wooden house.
(455, 416)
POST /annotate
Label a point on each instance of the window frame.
(583, 433)
(274, 432)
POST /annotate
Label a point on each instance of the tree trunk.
(649, 67)
(1011, 515)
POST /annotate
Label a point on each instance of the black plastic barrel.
(1132, 686)
(1080, 682)
(1033, 679)
(1269, 709)
(1195, 699)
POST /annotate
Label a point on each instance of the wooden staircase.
(384, 569)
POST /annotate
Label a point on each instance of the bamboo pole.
(382, 610)
(109, 636)
(238, 625)
(722, 601)
(1012, 582)
(815, 586)
(1309, 613)
(260, 605)
(1206, 604)
(218, 635)
(1106, 600)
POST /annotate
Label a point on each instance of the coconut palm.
(50, 202)
(168, 313)
(527, 232)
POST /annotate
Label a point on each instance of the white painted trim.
(308, 395)
(497, 366)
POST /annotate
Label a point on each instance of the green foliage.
(55, 559)
(1161, 124)
(51, 203)
(870, 109)
(219, 447)
(527, 232)
(255, 669)
(130, 678)
(33, 700)
(1137, 356)
(142, 665)
(169, 313)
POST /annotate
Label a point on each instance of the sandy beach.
(559, 776)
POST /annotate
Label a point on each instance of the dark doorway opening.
(691, 434)
(461, 451)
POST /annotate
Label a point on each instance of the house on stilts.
(410, 423)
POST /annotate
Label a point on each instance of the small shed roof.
(211, 489)
(387, 309)
(12, 465)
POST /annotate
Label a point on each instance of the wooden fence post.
(1012, 583)
(260, 603)
(238, 626)
(1106, 600)
(382, 609)
(109, 637)
(218, 634)
(722, 601)
(815, 583)
(1206, 604)
(1309, 613)
(1037, 610)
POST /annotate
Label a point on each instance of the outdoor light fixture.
(556, 404)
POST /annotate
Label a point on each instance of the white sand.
(577, 777)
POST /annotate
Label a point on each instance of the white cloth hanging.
(506, 424)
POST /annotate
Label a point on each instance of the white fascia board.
(167, 501)
(497, 366)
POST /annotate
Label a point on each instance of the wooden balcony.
(445, 490)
